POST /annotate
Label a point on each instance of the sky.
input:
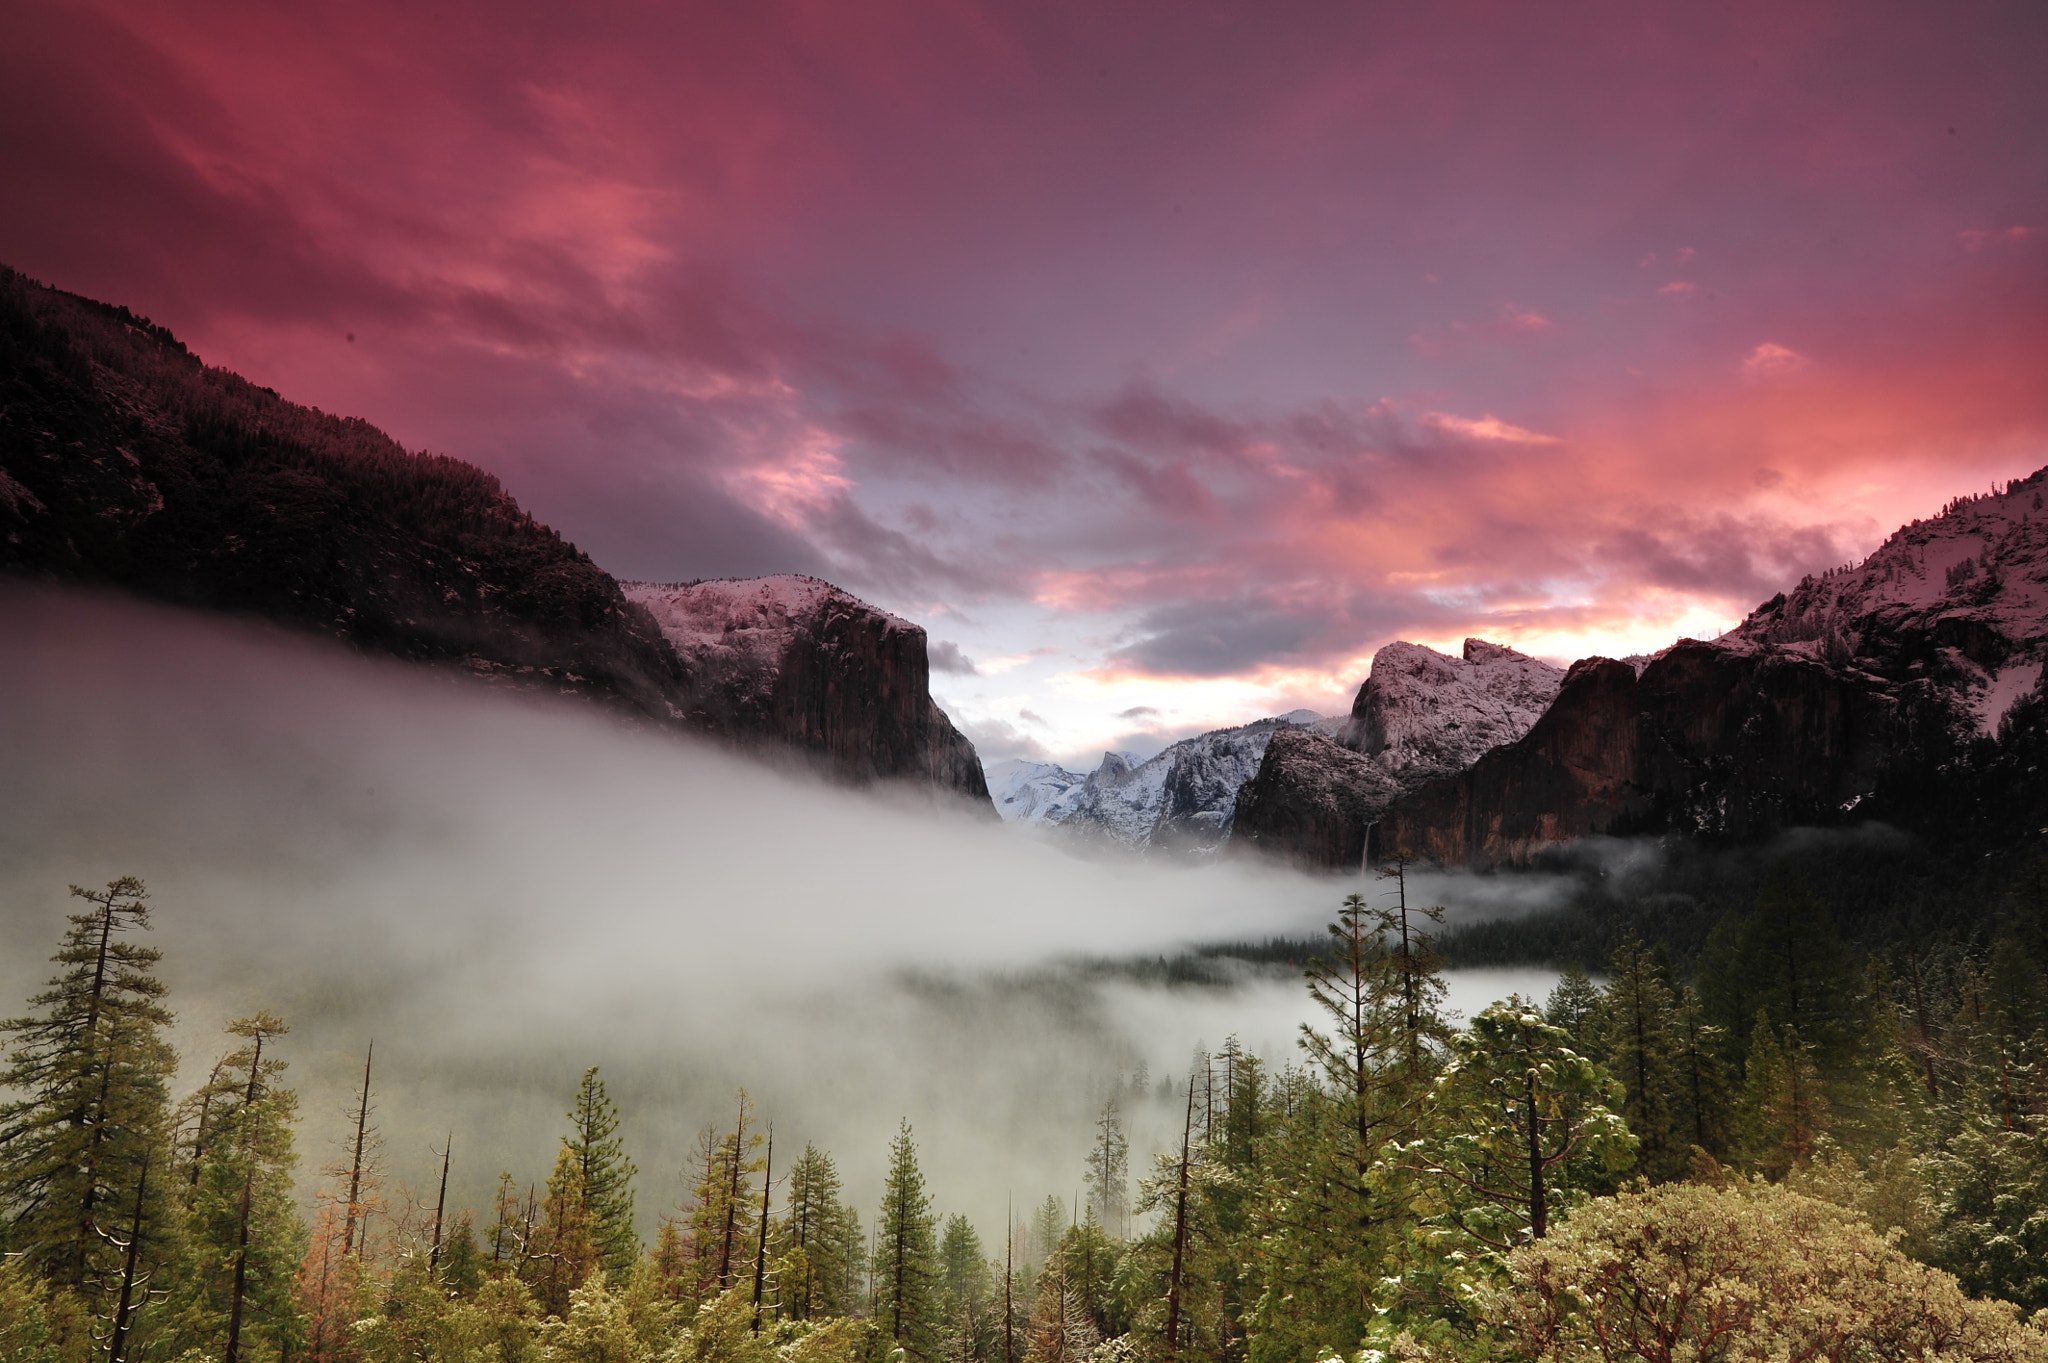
(1162, 360)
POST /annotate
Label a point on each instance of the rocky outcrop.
(126, 462)
(796, 663)
(1311, 803)
(1422, 713)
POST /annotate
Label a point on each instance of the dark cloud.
(1137, 712)
(946, 657)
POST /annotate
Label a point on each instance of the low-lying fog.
(502, 890)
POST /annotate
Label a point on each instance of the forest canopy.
(1786, 1152)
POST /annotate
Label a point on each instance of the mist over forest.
(501, 892)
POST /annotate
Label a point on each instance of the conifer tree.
(603, 1176)
(247, 1239)
(1109, 1161)
(1704, 1105)
(722, 1218)
(1782, 1111)
(561, 1251)
(1521, 1122)
(1632, 1024)
(907, 1272)
(818, 1241)
(971, 1327)
(1571, 1004)
(90, 1068)
(1061, 1330)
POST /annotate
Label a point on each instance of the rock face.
(1181, 801)
(1312, 802)
(1420, 714)
(126, 462)
(1823, 698)
(796, 662)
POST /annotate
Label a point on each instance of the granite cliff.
(1419, 715)
(1858, 694)
(795, 662)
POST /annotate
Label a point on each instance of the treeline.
(1785, 1154)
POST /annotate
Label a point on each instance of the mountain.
(1885, 689)
(126, 462)
(1419, 715)
(796, 661)
(1181, 801)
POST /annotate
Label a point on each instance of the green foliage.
(91, 1068)
(817, 1244)
(247, 1241)
(1521, 1126)
(908, 1276)
(39, 1323)
(603, 1175)
(1687, 1272)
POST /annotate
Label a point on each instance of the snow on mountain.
(741, 626)
(1182, 800)
(1421, 712)
(1960, 601)
(1034, 792)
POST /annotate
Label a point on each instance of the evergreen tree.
(817, 1244)
(1520, 1123)
(603, 1176)
(1061, 1330)
(722, 1218)
(1632, 1026)
(1782, 1111)
(1109, 1172)
(907, 1272)
(1571, 1005)
(90, 1068)
(562, 1251)
(247, 1239)
(972, 1327)
(1703, 1108)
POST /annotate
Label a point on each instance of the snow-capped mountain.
(1181, 800)
(1873, 690)
(1960, 600)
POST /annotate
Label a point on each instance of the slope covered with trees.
(1789, 1152)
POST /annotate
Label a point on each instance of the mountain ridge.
(127, 462)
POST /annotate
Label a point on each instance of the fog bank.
(502, 889)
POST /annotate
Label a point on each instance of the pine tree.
(1782, 1111)
(1571, 1005)
(1109, 1172)
(817, 1244)
(971, 1328)
(907, 1270)
(1520, 1123)
(1061, 1330)
(603, 1176)
(1632, 1024)
(722, 1218)
(562, 1251)
(1704, 1105)
(91, 1067)
(247, 1238)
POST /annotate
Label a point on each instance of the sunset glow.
(1165, 364)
